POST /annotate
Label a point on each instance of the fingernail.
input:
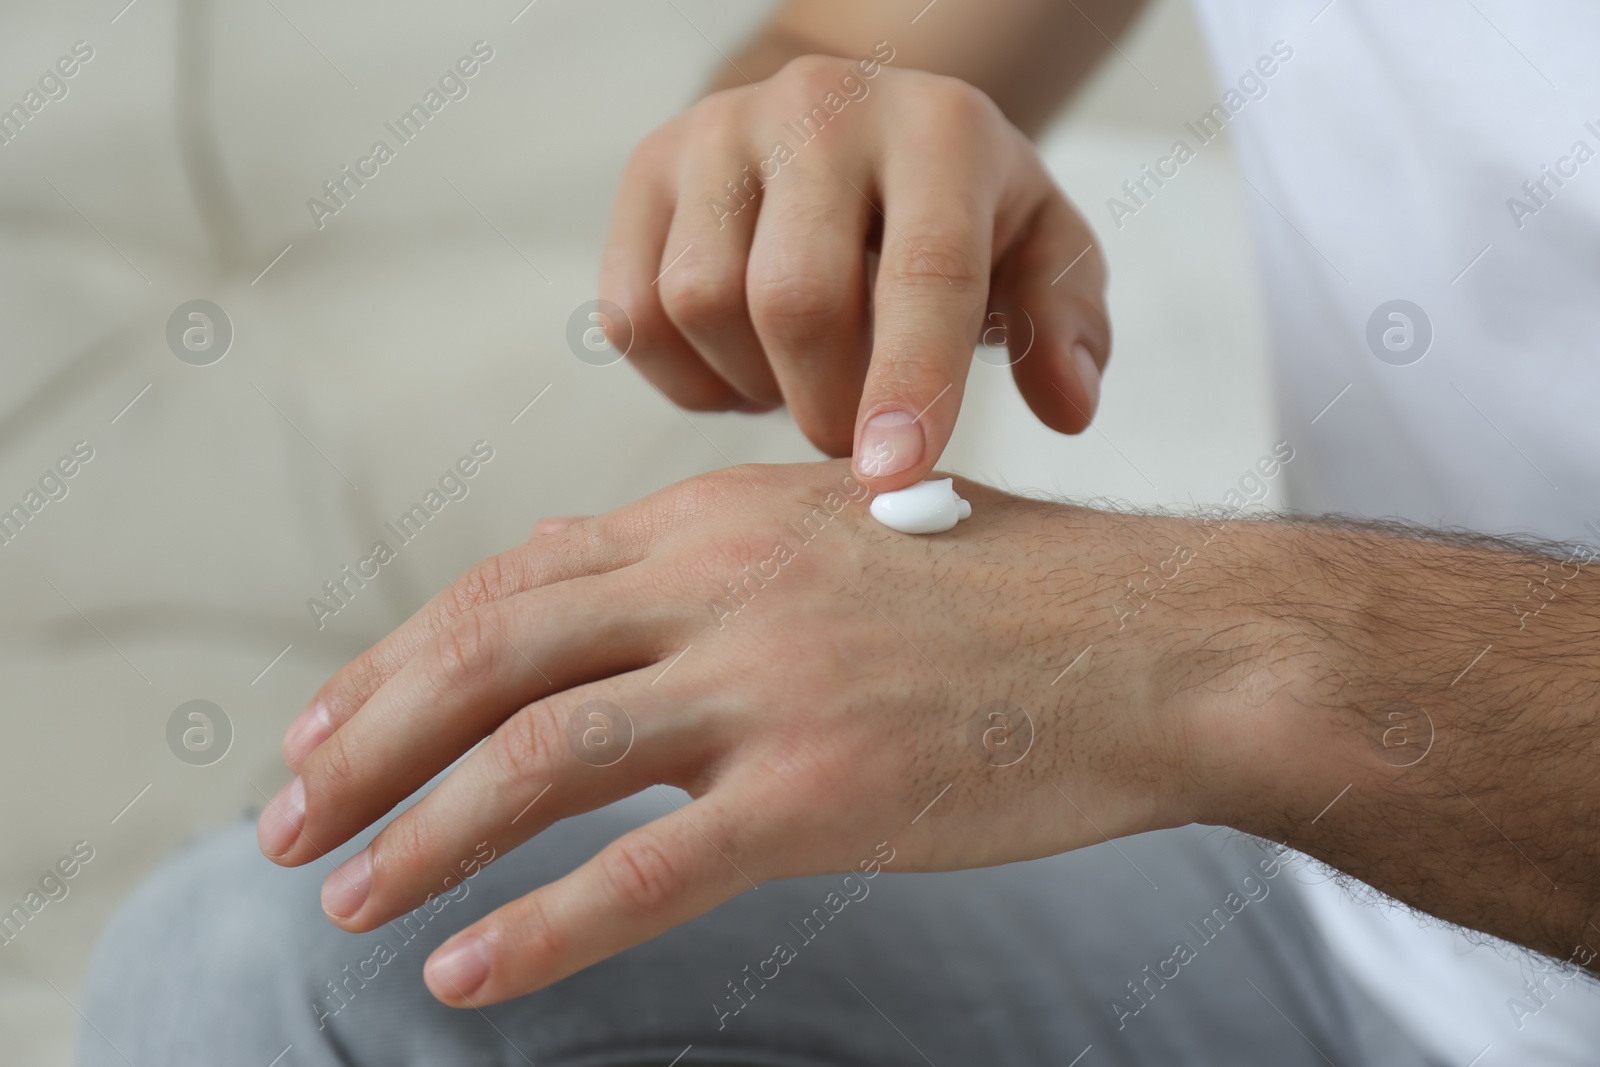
(280, 824)
(307, 732)
(459, 968)
(1088, 373)
(891, 441)
(346, 889)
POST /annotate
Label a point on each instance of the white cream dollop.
(927, 507)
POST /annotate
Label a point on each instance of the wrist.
(1268, 735)
(1174, 641)
(1377, 699)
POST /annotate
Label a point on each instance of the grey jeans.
(1180, 947)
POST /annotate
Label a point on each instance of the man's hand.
(747, 231)
(1418, 713)
(827, 690)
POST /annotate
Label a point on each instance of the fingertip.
(685, 381)
(278, 828)
(347, 888)
(892, 450)
(458, 969)
(1061, 381)
(1088, 374)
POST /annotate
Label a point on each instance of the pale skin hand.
(767, 295)
(933, 172)
(833, 709)
(812, 723)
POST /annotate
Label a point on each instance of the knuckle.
(913, 379)
(489, 580)
(718, 568)
(581, 545)
(356, 682)
(795, 304)
(936, 257)
(334, 766)
(960, 104)
(399, 846)
(643, 874)
(700, 293)
(537, 937)
(524, 745)
(705, 494)
(653, 153)
(946, 112)
(716, 112)
(464, 651)
(577, 537)
(593, 540)
(812, 75)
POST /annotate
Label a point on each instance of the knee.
(212, 952)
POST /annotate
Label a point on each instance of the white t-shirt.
(1387, 158)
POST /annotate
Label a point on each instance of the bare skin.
(747, 271)
(1419, 713)
(837, 687)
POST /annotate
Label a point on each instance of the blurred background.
(368, 355)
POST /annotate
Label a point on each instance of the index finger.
(932, 287)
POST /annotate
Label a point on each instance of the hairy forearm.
(1029, 56)
(1421, 713)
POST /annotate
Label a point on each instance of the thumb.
(1049, 293)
